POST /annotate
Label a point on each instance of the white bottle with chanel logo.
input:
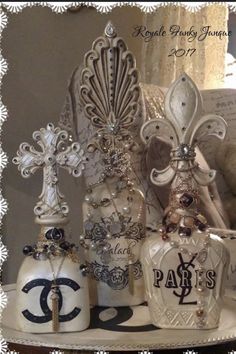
(184, 265)
(52, 291)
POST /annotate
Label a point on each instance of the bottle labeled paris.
(185, 265)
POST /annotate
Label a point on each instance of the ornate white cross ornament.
(183, 128)
(51, 207)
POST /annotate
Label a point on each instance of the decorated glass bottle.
(185, 265)
(114, 206)
(52, 265)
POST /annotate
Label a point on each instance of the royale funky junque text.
(192, 34)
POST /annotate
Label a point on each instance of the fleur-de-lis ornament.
(51, 207)
(184, 127)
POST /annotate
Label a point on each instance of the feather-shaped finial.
(109, 90)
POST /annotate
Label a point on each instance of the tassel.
(131, 277)
(55, 308)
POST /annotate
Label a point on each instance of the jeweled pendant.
(185, 231)
(201, 227)
(186, 200)
(171, 227)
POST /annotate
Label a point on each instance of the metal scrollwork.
(117, 278)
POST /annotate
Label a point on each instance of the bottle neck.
(184, 192)
(53, 234)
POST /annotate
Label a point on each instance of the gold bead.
(200, 312)
(175, 218)
(188, 221)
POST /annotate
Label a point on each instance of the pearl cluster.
(99, 232)
(105, 202)
(122, 183)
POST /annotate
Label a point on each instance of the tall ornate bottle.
(114, 206)
(184, 266)
(52, 265)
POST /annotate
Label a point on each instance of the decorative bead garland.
(121, 224)
(180, 217)
(51, 244)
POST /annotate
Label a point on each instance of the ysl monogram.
(185, 275)
(182, 279)
(43, 300)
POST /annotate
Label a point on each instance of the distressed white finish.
(51, 212)
(172, 303)
(55, 153)
(110, 91)
(185, 124)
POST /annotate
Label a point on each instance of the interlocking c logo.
(43, 300)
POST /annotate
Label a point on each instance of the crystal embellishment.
(171, 228)
(186, 200)
(110, 30)
(185, 231)
(185, 152)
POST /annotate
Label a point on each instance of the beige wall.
(42, 48)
